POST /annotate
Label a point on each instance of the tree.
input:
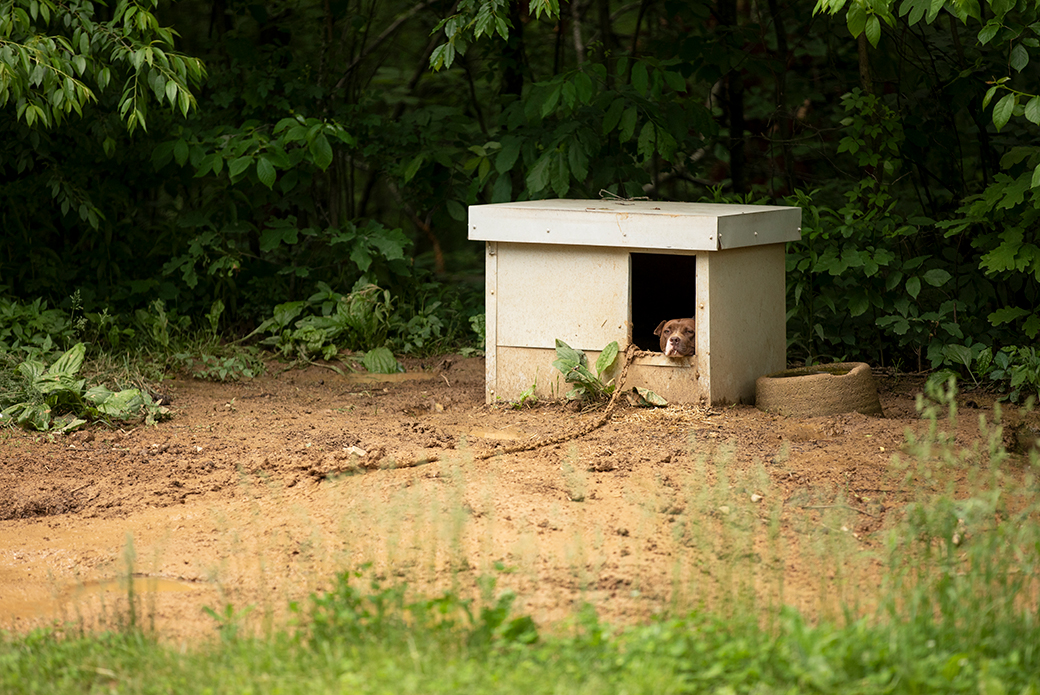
(1003, 220)
(57, 57)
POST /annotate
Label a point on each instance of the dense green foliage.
(337, 145)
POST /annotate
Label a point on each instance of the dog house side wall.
(741, 314)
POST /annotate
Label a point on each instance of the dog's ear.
(660, 327)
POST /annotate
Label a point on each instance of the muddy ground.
(257, 493)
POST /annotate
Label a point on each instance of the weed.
(478, 323)
(33, 328)
(1019, 368)
(1014, 369)
(527, 398)
(381, 361)
(54, 398)
(964, 567)
(367, 318)
(241, 363)
(385, 615)
(574, 366)
(229, 620)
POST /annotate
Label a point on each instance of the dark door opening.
(663, 288)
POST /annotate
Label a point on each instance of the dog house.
(594, 271)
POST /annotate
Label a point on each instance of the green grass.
(958, 610)
(696, 653)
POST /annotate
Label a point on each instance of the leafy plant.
(359, 321)
(1000, 222)
(242, 363)
(381, 361)
(865, 266)
(479, 324)
(367, 318)
(160, 325)
(1015, 369)
(54, 399)
(384, 615)
(33, 326)
(229, 621)
(50, 76)
(574, 366)
(1019, 367)
(526, 398)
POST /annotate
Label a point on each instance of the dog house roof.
(638, 224)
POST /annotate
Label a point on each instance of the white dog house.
(593, 271)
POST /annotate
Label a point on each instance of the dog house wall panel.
(563, 269)
(578, 294)
(520, 368)
(741, 319)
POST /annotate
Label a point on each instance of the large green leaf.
(1032, 110)
(937, 277)
(873, 30)
(606, 358)
(121, 405)
(538, 177)
(639, 77)
(856, 19)
(1007, 314)
(321, 151)
(507, 156)
(569, 355)
(613, 115)
(265, 171)
(1003, 110)
(958, 353)
(69, 363)
(913, 286)
(381, 361)
(628, 123)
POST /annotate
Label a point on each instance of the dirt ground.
(255, 494)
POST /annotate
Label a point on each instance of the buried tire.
(827, 389)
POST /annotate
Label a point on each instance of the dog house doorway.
(663, 288)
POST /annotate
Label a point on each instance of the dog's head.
(678, 337)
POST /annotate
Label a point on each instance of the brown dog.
(678, 337)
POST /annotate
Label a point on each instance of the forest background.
(298, 171)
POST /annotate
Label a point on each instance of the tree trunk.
(734, 103)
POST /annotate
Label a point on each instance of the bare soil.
(257, 493)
